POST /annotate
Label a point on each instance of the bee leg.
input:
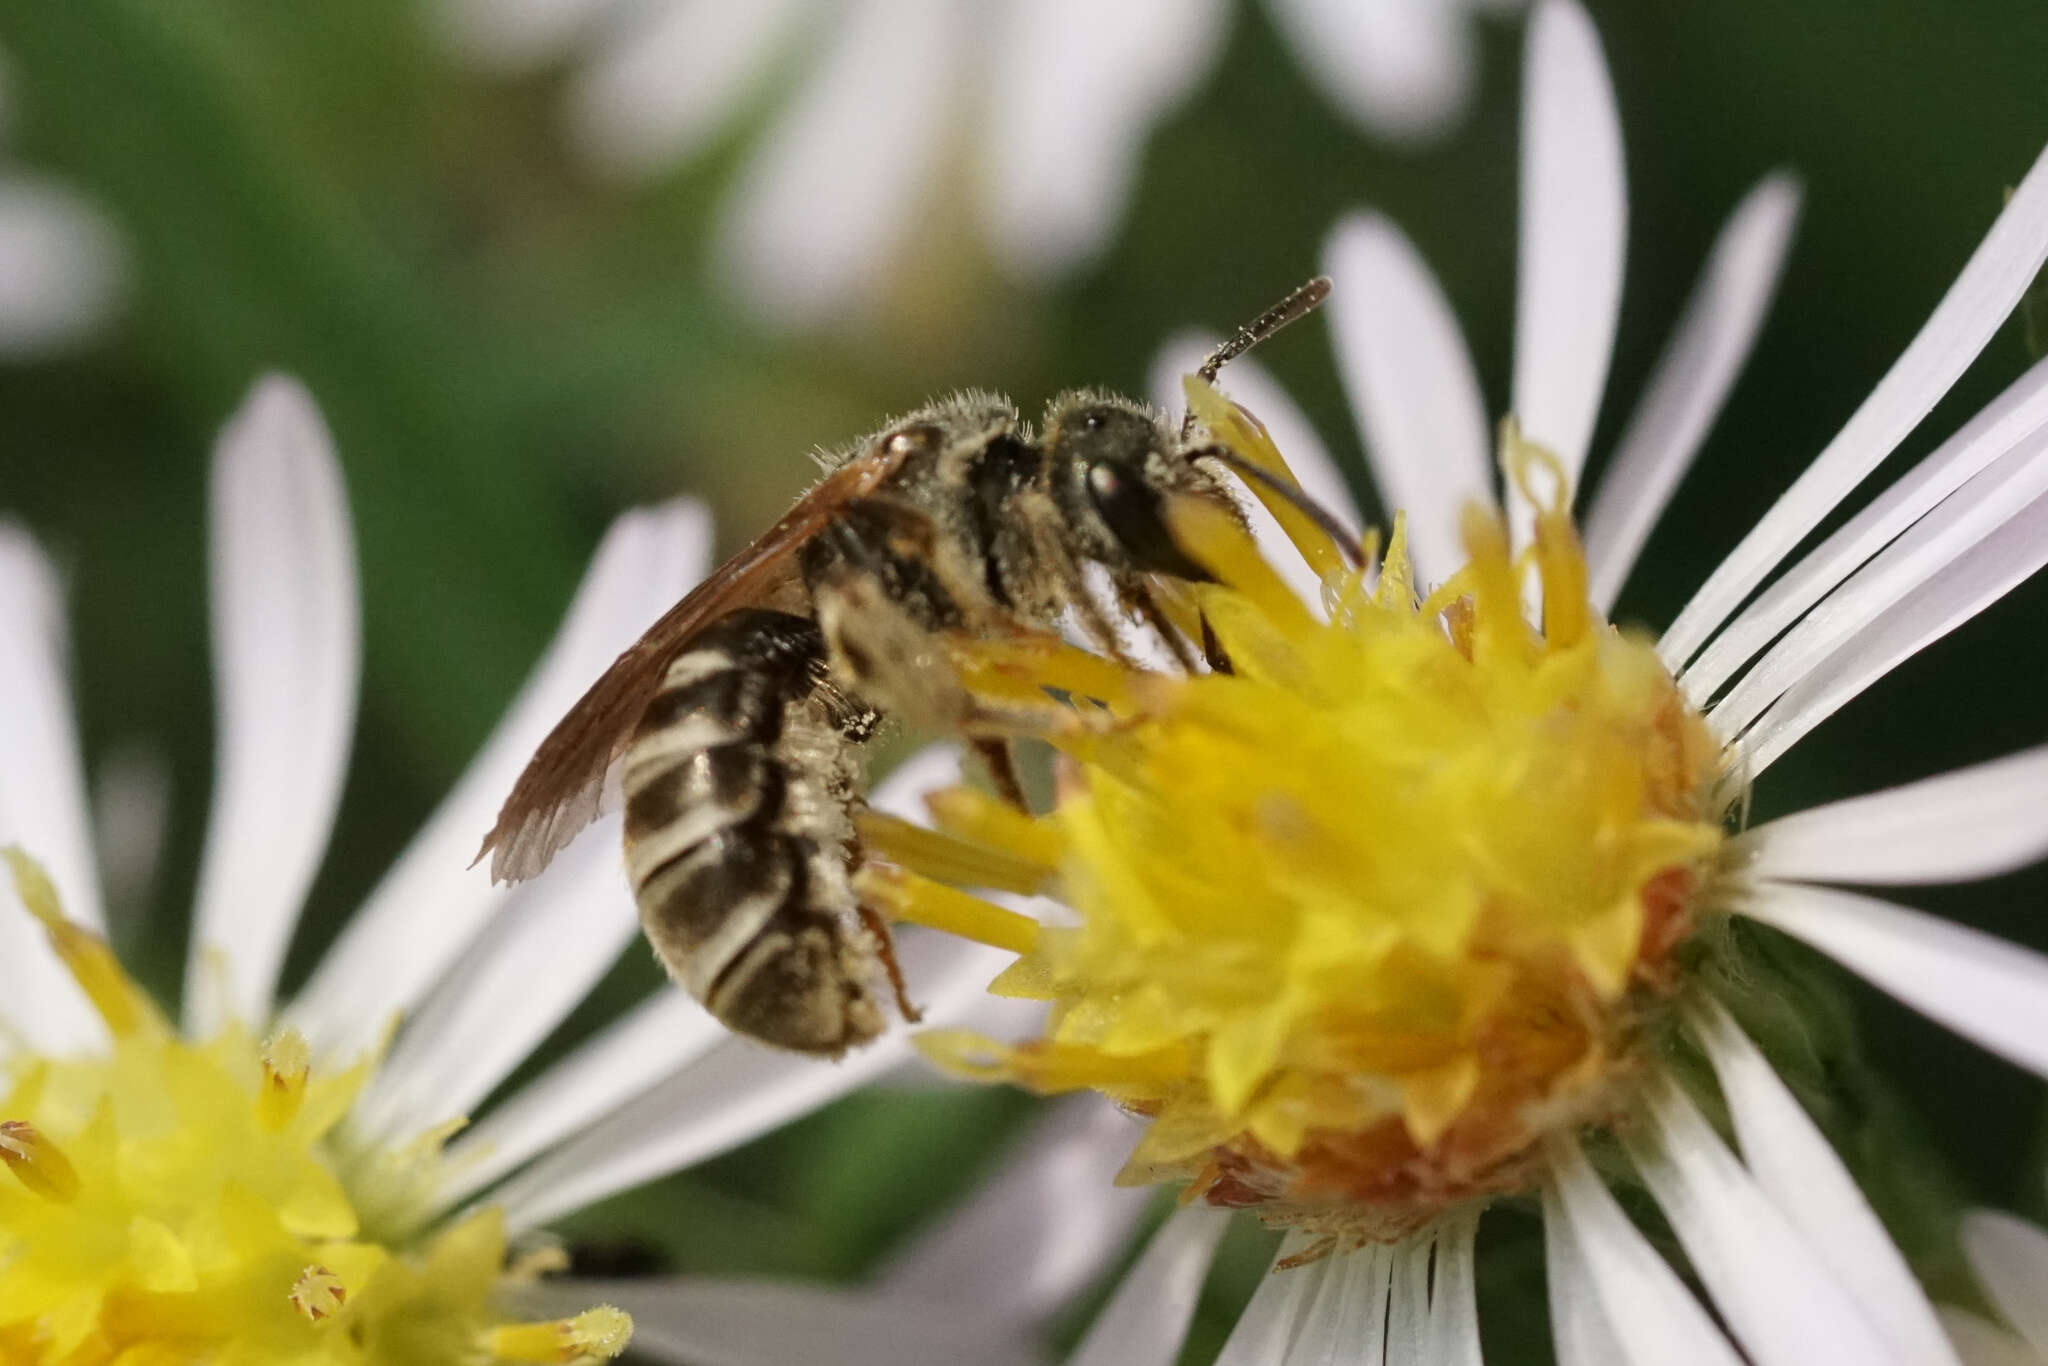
(1213, 651)
(999, 756)
(885, 949)
(1147, 605)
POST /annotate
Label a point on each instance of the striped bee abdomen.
(738, 836)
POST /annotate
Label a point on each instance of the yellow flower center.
(181, 1201)
(1364, 917)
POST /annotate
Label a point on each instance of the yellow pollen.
(195, 1201)
(600, 1332)
(286, 1064)
(92, 964)
(36, 1162)
(1365, 917)
(317, 1294)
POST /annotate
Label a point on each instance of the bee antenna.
(1298, 304)
(1308, 507)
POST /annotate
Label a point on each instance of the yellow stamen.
(944, 857)
(1215, 540)
(286, 1064)
(92, 964)
(317, 1294)
(906, 896)
(1248, 438)
(1397, 573)
(1033, 663)
(600, 1332)
(1050, 1067)
(36, 1162)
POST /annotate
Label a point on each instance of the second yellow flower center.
(169, 1200)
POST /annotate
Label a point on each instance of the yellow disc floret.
(179, 1201)
(1364, 917)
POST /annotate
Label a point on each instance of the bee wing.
(562, 787)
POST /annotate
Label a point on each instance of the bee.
(734, 727)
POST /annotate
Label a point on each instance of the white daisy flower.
(1410, 908)
(62, 264)
(1050, 103)
(289, 1179)
(2009, 1258)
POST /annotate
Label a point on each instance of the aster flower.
(2009, 1258)
(288, 1179)
(1056, 97)
(1422, 902)
(61, 263)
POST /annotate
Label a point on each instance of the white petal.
(1796, 1168)
(1989, 991)
(432, 903)
(1147, 1320)
(540, 955)
(1987, 572)
(1453, 1338)
(734, 1094)
(1973, 823)
(2010, 1259)
(1266, 1331)
(1292, 433)
(1579, 1329)
(1403, 68)
(1075, 88)
(901, 794)
(818, 216)
(1648, 1311)
(1411, 383)
(1769, 1285)
(1041, 1231)
(1408, 1301)
(63, 267)
(1691, 381)
(1962, 522)
(513, 36)
(1347, 1319)
(658, 1037)
(1976, 305)
(1980, 1343)
(1574, 228)
(42, 800)
(2000, 427)
(668, 77)
(287, 653)
(766, 1323)
(131, 813)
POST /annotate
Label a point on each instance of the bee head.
(1114, 464)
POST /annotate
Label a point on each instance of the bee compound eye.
(1134, 513)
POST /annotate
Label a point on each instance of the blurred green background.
(511, 351)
